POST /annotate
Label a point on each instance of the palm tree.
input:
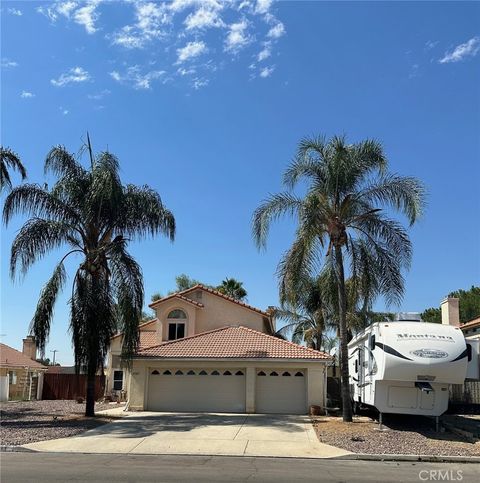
(341, 224)
(304, 312)
(93, 214)
(232, 288)
(9, 159)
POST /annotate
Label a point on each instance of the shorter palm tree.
(232, 288)
(9, 159)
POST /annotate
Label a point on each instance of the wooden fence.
(70, 386)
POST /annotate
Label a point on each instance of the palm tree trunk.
(342, 315)
(90, 405)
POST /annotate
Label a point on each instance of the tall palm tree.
(233, 288)
(9, 159)
(342, 224)
(93, 214)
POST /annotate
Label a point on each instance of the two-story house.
(207, 352)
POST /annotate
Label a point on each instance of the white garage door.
(280, 391)
(197, 390)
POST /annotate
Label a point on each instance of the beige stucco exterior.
(315, 377)
(206, 312)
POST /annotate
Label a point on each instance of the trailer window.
(356, 365)
(372, 342)
(469, 352)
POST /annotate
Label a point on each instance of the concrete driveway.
(199, 434)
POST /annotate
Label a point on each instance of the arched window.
(190, 373)
(286, 374)
(177, 314)
(214, 373)
(155, 373)
(176, 324)
(202, 373)
(299, 374)
(227, 373)
(261, 373)
(239, 373)
(274, 373)
(179, 373)
(167, 373)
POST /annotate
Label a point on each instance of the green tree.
(341, 224)
(9, 160)
(232, 288)
(432, 315)
(469, 306)
(184, 282)
(156, 296)
(92, 213)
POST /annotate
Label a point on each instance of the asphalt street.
(49, 467)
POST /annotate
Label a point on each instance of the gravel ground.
(405, 435)
(25, 422)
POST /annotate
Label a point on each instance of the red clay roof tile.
(232, 343)
(10, 357)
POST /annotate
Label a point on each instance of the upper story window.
(176, 324)
(177, 314)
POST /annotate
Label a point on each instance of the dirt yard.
(25, 422)
(403, 435)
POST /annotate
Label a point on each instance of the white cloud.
(203, 18)
(267, 72)
(64, 111)
(182, 71)
(462, 51)
(263, 6)
(87, 16)
(237, 37)
(199, 83)
(8, 64)
(276, 31)
(82, 13)
(190, 51)
(134, 77)
(99, 95)
(75, 75)
(430, 44)
(15, 11)
(27, 95)
(151, 20)
(265, 53)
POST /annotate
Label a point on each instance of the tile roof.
(213, 292)
(140, 327)
(232, 343)
(10, 357)
(471, 324)
(148, 338)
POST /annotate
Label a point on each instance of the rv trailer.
(406, 367)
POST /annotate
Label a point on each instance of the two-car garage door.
(197, 390)
(280, 391)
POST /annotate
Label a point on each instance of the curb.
(14, 449)
(409, 457)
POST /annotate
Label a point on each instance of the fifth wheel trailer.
(407, 367)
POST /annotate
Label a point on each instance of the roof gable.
(10, 357)
(183, 295)
(232, 343)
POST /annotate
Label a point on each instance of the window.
(239, 373)
(215, 373)
(179, 373)
(12, 377)
(167, 373)
(469, 352)
(177, 314)
(227, 373)
(273, 373)
(176, 331)
(261, 373)
(117, 380)
(190, 373)
(286, 374)
(155, 373)
(299, 374)
(202, 373)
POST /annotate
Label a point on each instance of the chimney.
(450, 311)
(30, 347)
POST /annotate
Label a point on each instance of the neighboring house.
(471, 329)
(21, 376)
(208, 352)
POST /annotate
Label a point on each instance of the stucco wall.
(315, 378)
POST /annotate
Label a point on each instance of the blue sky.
(206, 101)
